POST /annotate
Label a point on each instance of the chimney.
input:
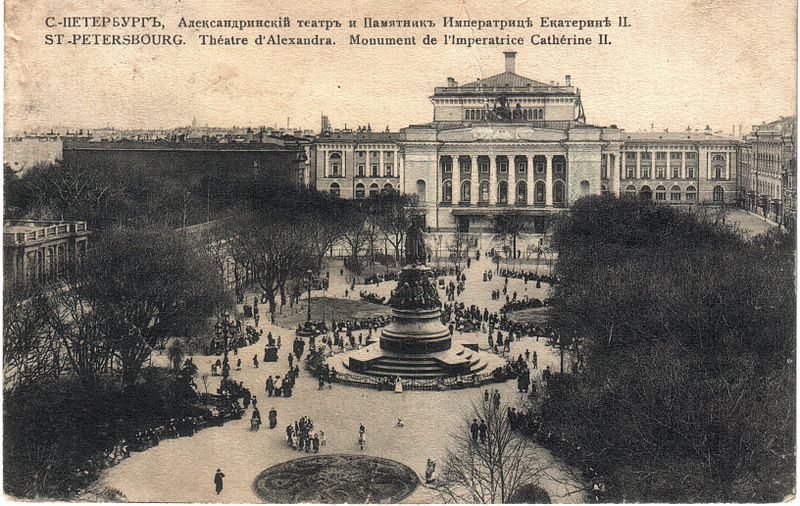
(451, 83)
(511, 57)
(567, 80)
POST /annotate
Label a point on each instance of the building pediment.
(501, 132)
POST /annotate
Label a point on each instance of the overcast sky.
(681, 63)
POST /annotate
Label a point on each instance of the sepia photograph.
(417, 252)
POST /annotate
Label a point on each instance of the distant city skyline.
(682, 63)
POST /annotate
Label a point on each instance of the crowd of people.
(526, 276)
(302, 437)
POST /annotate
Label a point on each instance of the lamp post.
(309, 273)
(223, 330)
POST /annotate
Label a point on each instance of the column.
(492, 179)
(474, 176)
(548, 181)
(530, 180)
(683, 164)
(381, 164)
(616, 174)
(456, 173)
(668, 175)
(728, 166)
(639, 165)
(324, 163)
(512, 180)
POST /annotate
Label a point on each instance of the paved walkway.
(182, 470)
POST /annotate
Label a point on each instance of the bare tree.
(490, 471)
(458, 249)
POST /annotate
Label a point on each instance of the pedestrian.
(270, 386)
(486, 396)
(218, 481)
(473, 429)
(255, 361)
(496, 399)
(482, 430)
(273, 418)
(315, 443)
(362, 441)
(255, 402)
(535, 360)
(291, 359)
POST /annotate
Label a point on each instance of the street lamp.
(309, 273)
(223, 331)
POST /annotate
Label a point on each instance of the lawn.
(327, 309)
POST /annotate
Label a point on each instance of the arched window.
(718, 167)
(559, 193)
(335, 164)
(522, 193)
(661, 193)
(645, 193)
(360, 192)
(502, 192)
(466, 191)
(719, 194)
(335, 190)
(691, 193)
(539, 192)
(584, 187)
(388, 187)
(630, 191)
(373, 189)
(483, 191)
(604, 190)
(447, 191)
(421, 190)
(675, 193)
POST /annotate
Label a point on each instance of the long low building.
(510, 142)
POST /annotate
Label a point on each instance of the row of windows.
(362, 154)
(521, 164)
(675, 193)
(360, 190)
(539, 192)
(526, 114)
(660, 155)
(388, 170)
(661, 172)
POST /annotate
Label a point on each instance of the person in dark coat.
(273, 418)
(218, 481)
(473, 429)
(482, 430)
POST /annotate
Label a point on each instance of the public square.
(181, 470)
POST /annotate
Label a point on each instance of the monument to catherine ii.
(416, 344)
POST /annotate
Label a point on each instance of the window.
(483, 193)
(522, 193)
(539, 192)
(675, 193)
(718, 167)
(691, 193)
(466, 191)
(646, 164)
(522, 165)
(335, 164)
(661, 171)
(447, 191)
(604, 190)
(690, 172)
(465, 164)
(361, 170)
(389, 168)
(334, 189)
(360, 192)
(559, 165)
(559, 196)
(388, 187)
(502, 165)
(585, 187)
(502, 192)
(645, 193)
(719, 194)
(661, 193)
(539, 163)
(630, 191)
(373, 189)
(361, 154)
(447, 164)
(603, 167)
(676, 172)
(483, 166)
(375, 170)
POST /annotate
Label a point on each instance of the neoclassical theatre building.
(507, 141)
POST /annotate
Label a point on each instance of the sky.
(680, 63)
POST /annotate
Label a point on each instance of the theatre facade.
(510, 142)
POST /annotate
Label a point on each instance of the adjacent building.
(768, 170)
(39, 251)
(511, 142)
